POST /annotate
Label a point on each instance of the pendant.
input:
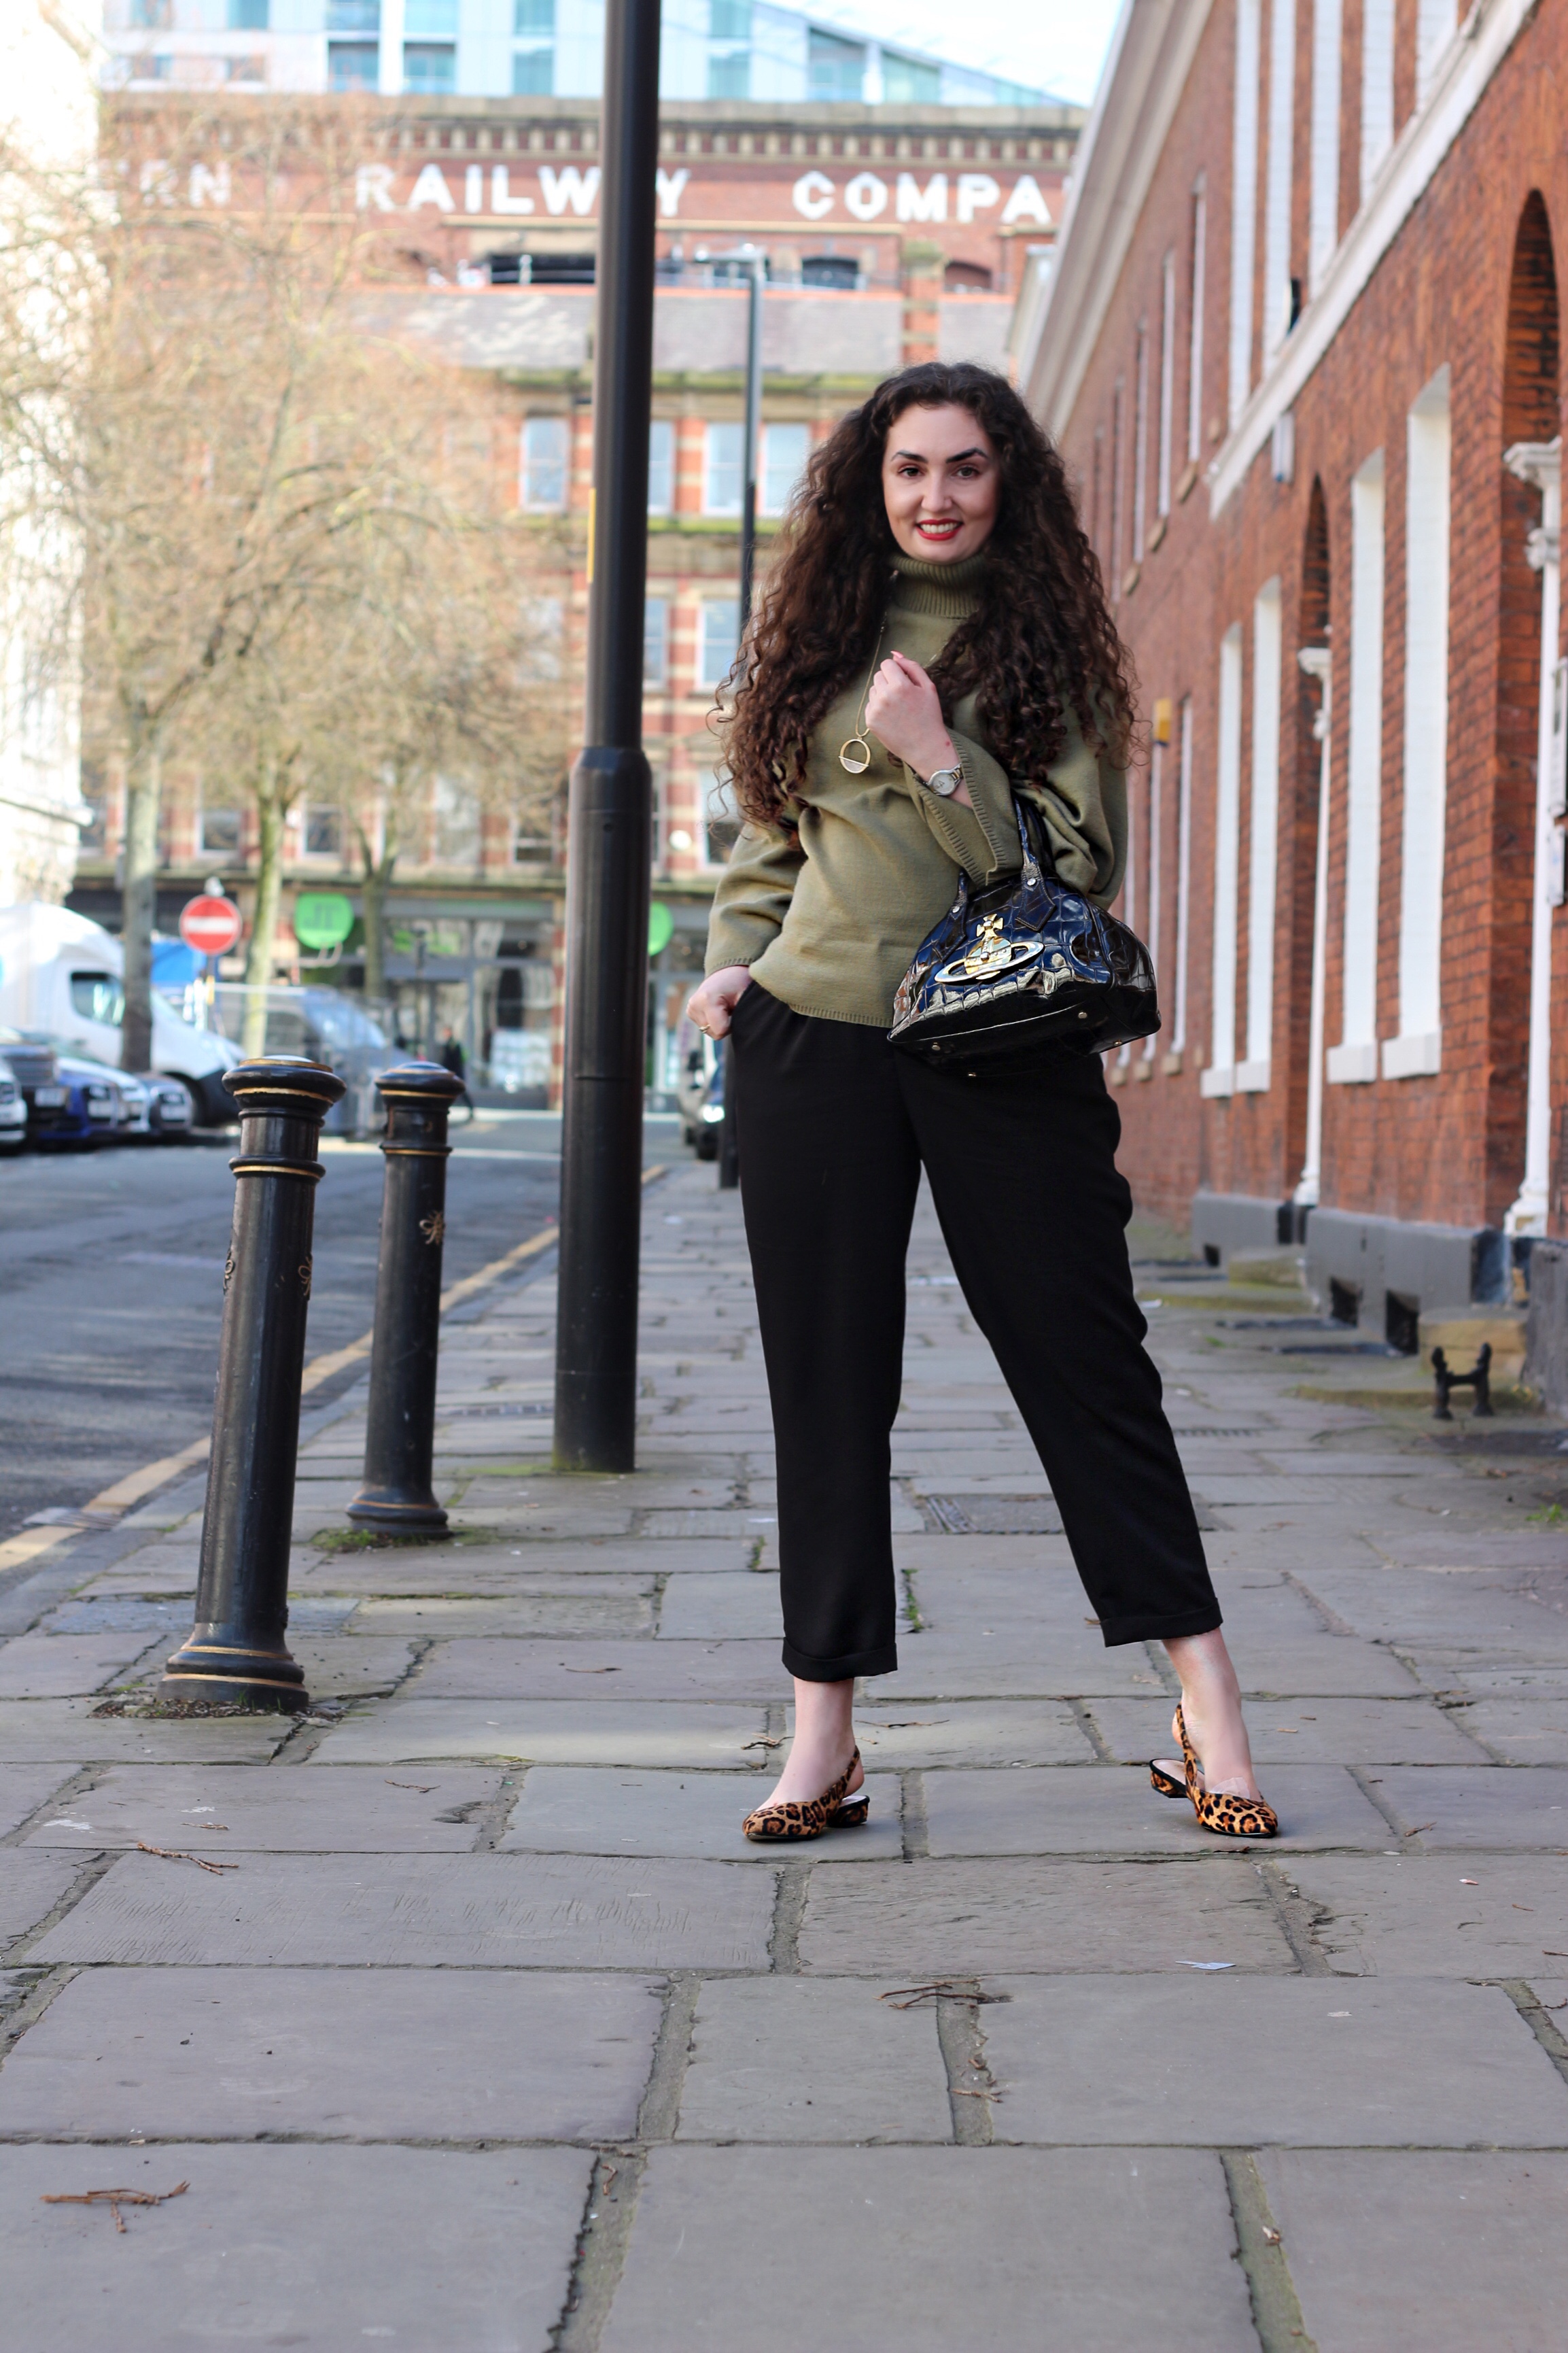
(856, 767)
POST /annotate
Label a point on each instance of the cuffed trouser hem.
(883, 1661)
(1160, 1628)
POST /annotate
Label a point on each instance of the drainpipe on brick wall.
(1316, 661)
(1539, 463)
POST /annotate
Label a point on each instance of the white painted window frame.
(1167, 384)
(1417, 1049)
(1280, 170)
(1377, 89)
(1353, 1061)
(1244, 204)
(1141, 442)
(1323, 232)
(1184, 876)
(1195, 344)
(1252, 1076)
(1219, 1079)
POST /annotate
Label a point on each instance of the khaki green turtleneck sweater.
(829, 916)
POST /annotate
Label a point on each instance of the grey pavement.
(460, 2016)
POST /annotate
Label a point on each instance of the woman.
(934, 637)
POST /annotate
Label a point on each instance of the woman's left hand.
(903, 709)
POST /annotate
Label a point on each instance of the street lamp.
(609, 838)
(751, 257)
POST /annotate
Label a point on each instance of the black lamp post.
(400, 1425)
(609, 838)
(237, 1651)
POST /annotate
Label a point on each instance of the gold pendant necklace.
(855, 752)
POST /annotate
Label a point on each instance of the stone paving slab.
(638, 1490)
(548, 1732)
(221, 1810)
(737, 1607)
(1474, 1547)
(953, 1918)
(173, 1580)
(1460, 1675)
(681, 1528)
(498, 1666)
(955, 1593)
(501, 1570)
(421, 1911)
(30, 1887)
(1421, 1915)
(1479, 1806)
(1305, 1731)
(58, 1666)
(970, 1732)
(1423, 1606)
(25, 1788)
(1521, 1732)
(981, 1661)
(585, 1809)
(390, 2054)
(1447, 2252)
(317, 2248)
(1048, 2251)
(812, 2059)
(1127, 2059)
(1112, 1810)
(1318, 1665)
(32, 1730)
(597, 1608)
(121, 1613)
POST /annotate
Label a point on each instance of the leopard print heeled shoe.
(1219, 1810)
(808, 1817)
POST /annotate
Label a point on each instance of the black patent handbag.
(1028, 971)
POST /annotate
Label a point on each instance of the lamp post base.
(409, 1515)
(235, 1675)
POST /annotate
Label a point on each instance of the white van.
(61, 977)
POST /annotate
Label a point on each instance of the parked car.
(172, 1112)
(52, 1116)
(153, 1106)
(104, 1104)
(13, 1111)
(60, 976)
(700, 1094)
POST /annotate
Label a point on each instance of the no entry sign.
(210, 925)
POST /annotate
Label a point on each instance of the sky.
(1057, 45)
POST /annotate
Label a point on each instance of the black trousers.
(834, 1126)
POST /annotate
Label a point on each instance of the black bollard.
(400, 1429)
(235, 1650)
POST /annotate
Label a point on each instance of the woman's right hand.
(716, 1001)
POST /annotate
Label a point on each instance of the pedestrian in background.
(933, 638)
(452, 1058)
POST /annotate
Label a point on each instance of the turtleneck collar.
(948, 591)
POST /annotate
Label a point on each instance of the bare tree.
(219, 440)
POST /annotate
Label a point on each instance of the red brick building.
(1300, 345)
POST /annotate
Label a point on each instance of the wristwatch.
(945, 781)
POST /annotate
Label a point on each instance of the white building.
(501, 48)
(51, 61)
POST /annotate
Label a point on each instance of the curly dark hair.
(1039, 643)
